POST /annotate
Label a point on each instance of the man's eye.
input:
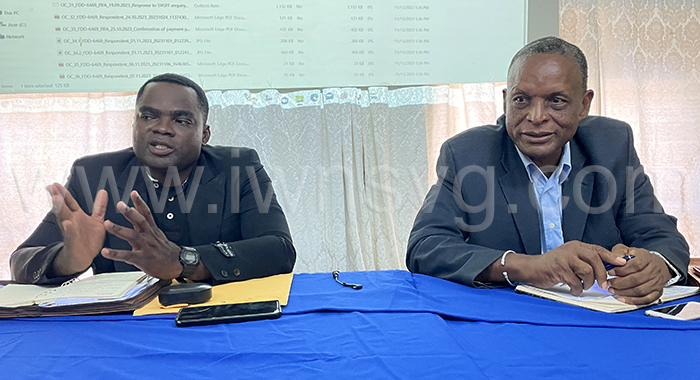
(183, 121)
(520, 100)
(558, 102)
(146, 117)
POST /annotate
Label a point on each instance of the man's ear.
(586, 103)
(505, 92)
(206, 134)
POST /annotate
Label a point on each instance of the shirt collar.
(562, 171)
(148, 172)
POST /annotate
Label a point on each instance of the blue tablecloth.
(399, 326)
(407, 292)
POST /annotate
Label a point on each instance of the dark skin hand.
(574, 263)
(641, 280)
(83, 235)
(151, 252)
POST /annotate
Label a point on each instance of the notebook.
(101, 293)
(598, 299)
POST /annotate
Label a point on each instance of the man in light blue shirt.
(560, 193)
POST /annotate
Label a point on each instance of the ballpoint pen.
(609, 266)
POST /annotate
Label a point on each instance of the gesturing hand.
(151, 252)
(641, 280)
(574, 263)
(83, 234)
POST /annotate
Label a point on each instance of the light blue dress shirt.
(548, 194)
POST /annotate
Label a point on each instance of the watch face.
(190, 257)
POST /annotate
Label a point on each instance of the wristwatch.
(189, 258)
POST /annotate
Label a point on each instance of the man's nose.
(164, 126)
(538, 113)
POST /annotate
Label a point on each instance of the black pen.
(609, 266)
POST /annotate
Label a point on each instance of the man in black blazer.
(171, 206)
(548, 194)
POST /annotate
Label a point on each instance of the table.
(399, 326)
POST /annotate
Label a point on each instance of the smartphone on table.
(683, 311)
(239, 312)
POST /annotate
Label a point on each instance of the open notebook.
(598, 299)
(101, 293)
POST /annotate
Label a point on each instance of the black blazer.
(509, 220)
(225, 209)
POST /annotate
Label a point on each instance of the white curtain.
(644, 65)
(348, 166)
(40, 136)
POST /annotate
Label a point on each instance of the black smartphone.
(239, 312)
(683, 311)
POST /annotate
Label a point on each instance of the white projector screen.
(70, 46)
